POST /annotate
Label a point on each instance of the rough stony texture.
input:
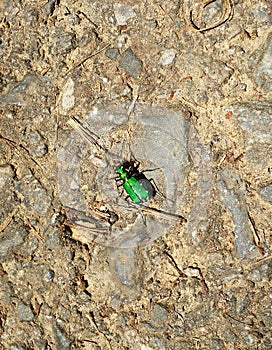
(193, 287)
(130, 63)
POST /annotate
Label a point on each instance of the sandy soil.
(209, 62)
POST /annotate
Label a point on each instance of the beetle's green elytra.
(137, 186)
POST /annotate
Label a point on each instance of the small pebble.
(192, 272)
(41, 150)
(49, 275)
(123, 13)
(63, 43)
(24, 312)
(130, 63)
(61, 337)
(158, 314)
(52, 239)
(112, 53)
(167, 57)
(68, 98)
(266, 192)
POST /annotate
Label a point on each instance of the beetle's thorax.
(122, 173)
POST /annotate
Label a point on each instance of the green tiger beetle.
(138, 188)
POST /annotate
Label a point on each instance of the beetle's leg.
(136, 164)
(113, 218)
(117, 178)
(127, 199)
(146, 170)
(134, 161)
(143, 217)
(118, 185)
(157, 188)
(159, 191)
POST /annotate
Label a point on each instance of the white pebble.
(167, 57)
(123, 13)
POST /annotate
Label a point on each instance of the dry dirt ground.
(196, 287)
